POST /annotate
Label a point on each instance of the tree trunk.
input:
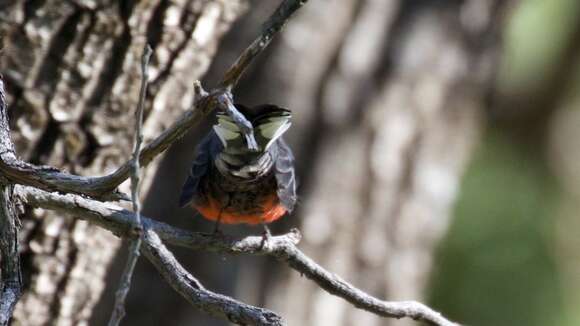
(388, 100)
(72, 72)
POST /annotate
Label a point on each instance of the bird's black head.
(255, 113)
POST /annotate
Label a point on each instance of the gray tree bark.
(72, 73)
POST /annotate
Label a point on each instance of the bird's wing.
(228, 132)
(285, 176)
(206, 150)
(271, 125)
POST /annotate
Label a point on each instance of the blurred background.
(435, 141)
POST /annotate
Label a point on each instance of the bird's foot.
(266, 236)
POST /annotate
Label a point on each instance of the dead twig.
(212, 303)
(270, 28)
(135, 246)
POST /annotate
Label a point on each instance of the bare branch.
(121, 221)
(272, 26)
(52, 179)
(105, 187)
(335, 285)
(45, 177)
(212, 303)
(283, 248)
(135, 247)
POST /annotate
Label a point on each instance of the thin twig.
(232, 76)
(11, 287)
(212, 303)
(135, 247)
(283, 248)
(273, 25)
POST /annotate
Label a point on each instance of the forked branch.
(283, 248)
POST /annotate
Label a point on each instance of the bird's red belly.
(268, 211)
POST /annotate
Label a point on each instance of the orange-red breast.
(231, 183)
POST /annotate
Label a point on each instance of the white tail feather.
(225, 135)
(267, 129)
(271, 131)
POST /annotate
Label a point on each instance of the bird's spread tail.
(268, 127)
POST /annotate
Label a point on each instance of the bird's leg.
(217, 230)
(225, 204)
(266, 235)
(266, 232)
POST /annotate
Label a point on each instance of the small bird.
(232, 182)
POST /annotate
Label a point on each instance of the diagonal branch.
(271, 27)
(212, 303)
(52, 179)
(283, 248)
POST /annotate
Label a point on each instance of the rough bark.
(72, 72)
(11, 281)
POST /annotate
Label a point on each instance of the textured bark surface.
(72, 73)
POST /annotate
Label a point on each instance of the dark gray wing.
(206, 151)
(285, 176)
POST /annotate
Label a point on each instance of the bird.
(234, 182)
